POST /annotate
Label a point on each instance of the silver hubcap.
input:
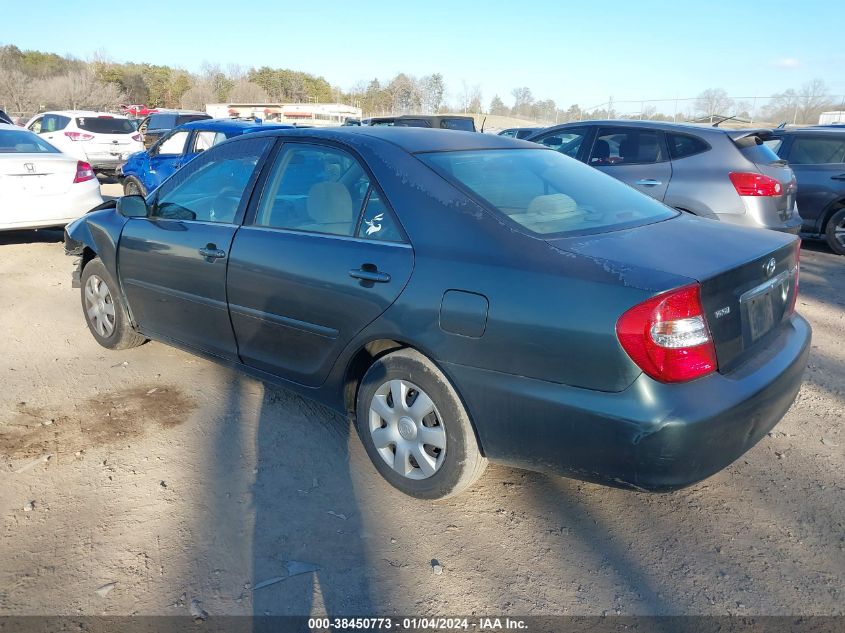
(407, 429)
(839, 233)
(99, 306)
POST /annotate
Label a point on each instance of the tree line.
(32, 81)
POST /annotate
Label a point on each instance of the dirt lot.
(179, 480)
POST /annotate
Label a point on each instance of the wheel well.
(87, 255)
(360, 363)
(831, 209)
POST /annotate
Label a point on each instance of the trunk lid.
(36, 174)
(745, 298)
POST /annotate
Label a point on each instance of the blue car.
(144, 171)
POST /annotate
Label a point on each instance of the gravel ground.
(137, 482)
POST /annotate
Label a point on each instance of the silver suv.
(727, 175)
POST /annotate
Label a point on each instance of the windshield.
(105, 125)
(24, 142)
(546, 192)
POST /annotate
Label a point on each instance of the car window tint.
(458, 124)
(567, 142)
(313, 188)
(104, 125)
(173, 144)
(161, 121)
(378, 222)
(206, 139)
(508, 133)
(808, 150)
(683, 145)
(626, 147)
(35, 126)
(545, 192)
(211, 188)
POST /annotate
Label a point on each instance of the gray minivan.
(716, 173)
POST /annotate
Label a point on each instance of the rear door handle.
(369, 275)
(648, 182)
(211, 252)
(839, 177)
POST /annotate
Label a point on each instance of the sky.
(584, 52)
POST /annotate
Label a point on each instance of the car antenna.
(482, 124)
(781, 126)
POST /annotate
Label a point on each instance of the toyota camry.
(464, 298)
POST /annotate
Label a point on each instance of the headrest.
(329, 202)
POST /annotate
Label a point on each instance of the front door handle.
(211, 252)
(839, 177)
(369, 273)
(648, 182)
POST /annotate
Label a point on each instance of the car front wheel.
(132, 187)
(103, 309)
(415, 428)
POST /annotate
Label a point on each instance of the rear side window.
(161, 122)
(546, 192)
(808, 150)
(23, 142)
(104, 125)
(378, 222)
(755, 150)
(314, 188)
(683, 145)
(187, 118)
(408, 123)
(626, 147)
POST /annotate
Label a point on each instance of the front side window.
(173, 145)
(313, 188)
(626, 147)
(35, 126)
(567, 141)
(546, 193)
(54, 123)
(809, 150)
(212, 187)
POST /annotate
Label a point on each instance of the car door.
(309, 270)
(633, 155)
(818, 162)
(167, 156)
(172, 264)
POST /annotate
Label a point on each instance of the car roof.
(815, 129)
(697, 128)
(230, 125)
(411, 139)
(83, 113)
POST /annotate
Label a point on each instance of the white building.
(835, 116)
(313, 114)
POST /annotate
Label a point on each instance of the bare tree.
(197, 96)
(714, 101)
(79, 90)
(247, 92)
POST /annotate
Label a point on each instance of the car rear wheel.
(415, 428)
(103, 308)
(835, 232)
(132, 187)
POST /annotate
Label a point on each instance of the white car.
(40, 186)
(102, 140)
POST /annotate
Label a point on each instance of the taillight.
(667, 336)
(136, 137)
(751, 184)
(79, 136)
(83, 172)
(796, 271)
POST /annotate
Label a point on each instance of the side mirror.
(132, 207)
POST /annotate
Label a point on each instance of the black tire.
(120, 335)
(836, 222)
(133, 187)
(462, 462)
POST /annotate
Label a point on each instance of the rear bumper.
(651, 436)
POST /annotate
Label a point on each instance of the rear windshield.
(755, 150)
(458, 124)
(104, 125)
(546, 192)
(187, 118)
(24, 142)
